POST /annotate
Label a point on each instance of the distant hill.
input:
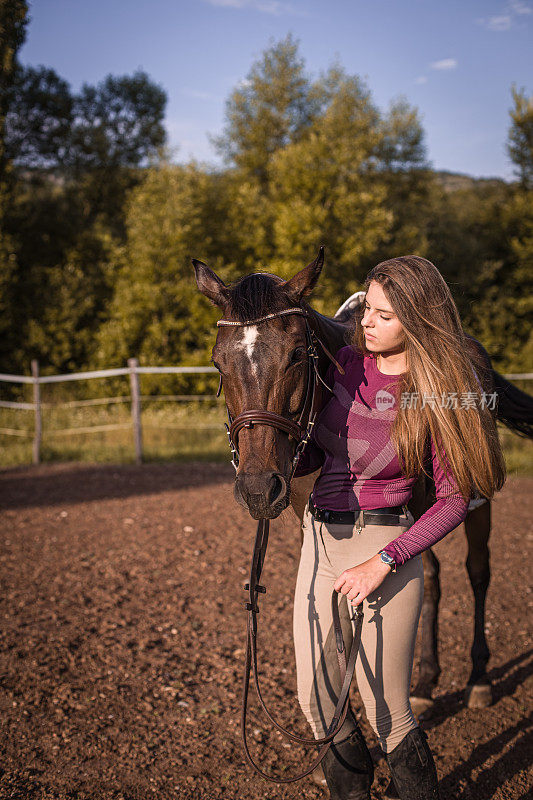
(452, 181)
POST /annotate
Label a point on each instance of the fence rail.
(133, 370)
(101, 373)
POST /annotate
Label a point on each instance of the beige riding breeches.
(391, 613)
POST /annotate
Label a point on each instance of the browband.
(268, 316)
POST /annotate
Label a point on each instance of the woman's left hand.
(358, 582)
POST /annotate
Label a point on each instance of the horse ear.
(210, 284)
(303, 283)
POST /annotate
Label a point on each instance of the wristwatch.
(388, 560)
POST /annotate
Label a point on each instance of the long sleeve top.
(352, 444)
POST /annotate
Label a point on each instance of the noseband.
(296, 430)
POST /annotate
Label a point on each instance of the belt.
(375, 516)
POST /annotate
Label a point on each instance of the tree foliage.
(270, 109)
(39, 120)
(100, 226)
(13, 21)
(520, 144)
(156, 313)
(76, 158)
(325, 188)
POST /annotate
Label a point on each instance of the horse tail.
(515, 407)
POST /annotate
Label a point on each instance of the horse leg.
(478, 693)
(429, 668)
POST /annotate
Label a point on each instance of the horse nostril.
(279, 487)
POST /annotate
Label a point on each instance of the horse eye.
(297, 355)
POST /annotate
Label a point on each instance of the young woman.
(410, 399)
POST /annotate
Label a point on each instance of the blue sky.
(455, 60)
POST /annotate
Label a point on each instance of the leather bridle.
(301, 433)
(247, 419)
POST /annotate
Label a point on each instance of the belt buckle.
(327, 515)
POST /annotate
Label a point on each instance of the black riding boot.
(413, 769)
(349, 769)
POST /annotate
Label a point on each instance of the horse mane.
(256, 295)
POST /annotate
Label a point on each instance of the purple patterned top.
(360, 469)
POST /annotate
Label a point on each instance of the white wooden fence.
(135, 398)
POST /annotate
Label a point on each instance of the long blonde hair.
(440, 361)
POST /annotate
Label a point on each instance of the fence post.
(136, 409)
(37, 403)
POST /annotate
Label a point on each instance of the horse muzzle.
(263, 494)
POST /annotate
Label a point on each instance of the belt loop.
(360, 519)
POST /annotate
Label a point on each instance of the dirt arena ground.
(123, 630)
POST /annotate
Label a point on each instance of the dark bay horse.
(264, 366)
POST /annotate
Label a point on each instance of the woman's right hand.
(360, 581)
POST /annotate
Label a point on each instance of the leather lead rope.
(301, 435)
(254, 588)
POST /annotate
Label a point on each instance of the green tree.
(314, 161)
(504, 310)
(157, 314)
(406, 176)
(44, 224)
(76, 160)
(271, 108)
(13, 21)
(464, 228)
(520, 141)
(119, 122)
(325, 188)
(118, 127)
(94, 141)
(40, 118)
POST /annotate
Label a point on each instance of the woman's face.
(383, 330)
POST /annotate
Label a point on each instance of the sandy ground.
(123, 631)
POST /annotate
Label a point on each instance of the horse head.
(263, 365)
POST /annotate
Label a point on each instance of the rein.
(247, 419)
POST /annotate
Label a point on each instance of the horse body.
(264, 366)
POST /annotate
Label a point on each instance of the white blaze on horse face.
(247, 344)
